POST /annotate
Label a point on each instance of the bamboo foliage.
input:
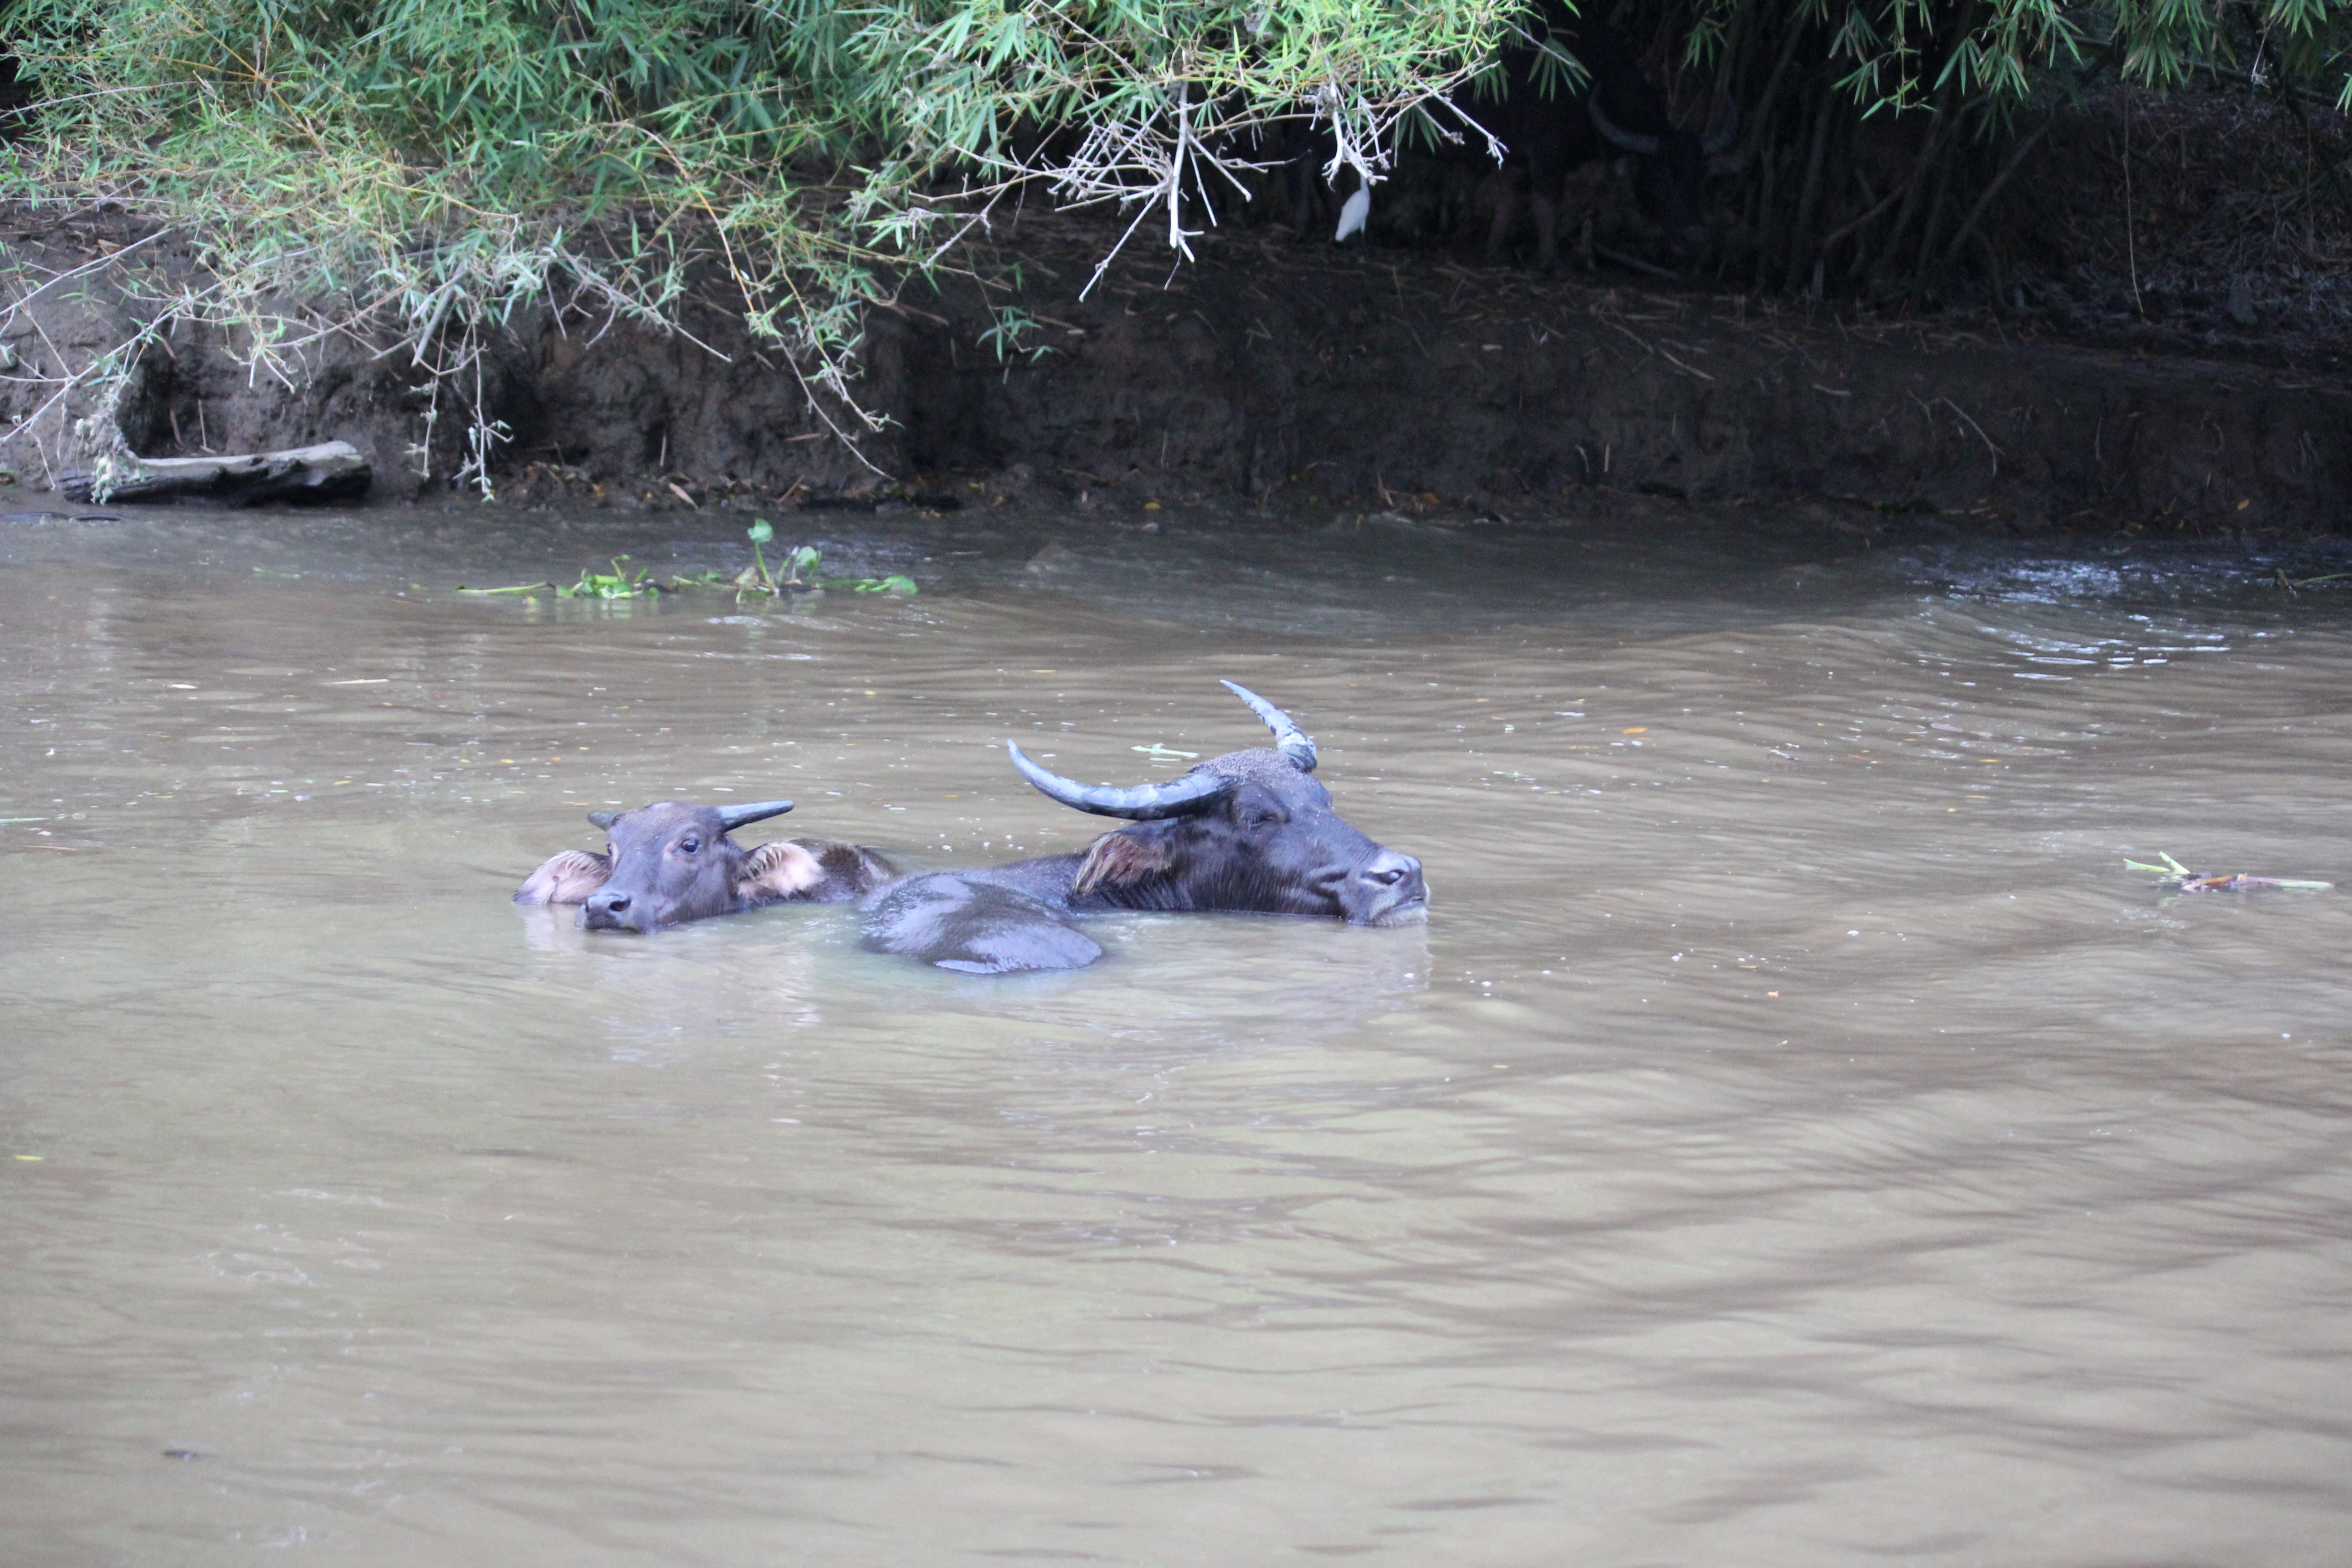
(1880, 133)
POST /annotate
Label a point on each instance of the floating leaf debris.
(2184, 880)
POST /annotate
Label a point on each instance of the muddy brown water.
(1795, 1138)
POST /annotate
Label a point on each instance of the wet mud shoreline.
(1270, 375)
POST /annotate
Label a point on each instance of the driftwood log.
(331, 472)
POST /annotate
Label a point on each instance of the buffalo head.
(1250, 830)
(1669, 168)
(667, 862)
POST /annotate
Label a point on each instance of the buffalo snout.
(608, 910)
(1388, 889)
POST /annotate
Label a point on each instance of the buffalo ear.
(565, 879)
(604, 819)
(872, 866)
(779, 871)
(851, 871)
(1122, 859)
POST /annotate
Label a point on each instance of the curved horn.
(1186, 797)
(731, 818)
(1288, 738)
(1633, 141)
(1719, 138)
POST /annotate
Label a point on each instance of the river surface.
(1795, 1139)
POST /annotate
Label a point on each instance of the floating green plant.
(757, 578)
(894, 583)
(2185, 880)
(620, 583)
(799, 566)
(794, 572)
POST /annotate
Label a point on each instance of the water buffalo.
(1615, 111)
(1249, 831)
(1670, 162)
(669, 863)
(1549, 127)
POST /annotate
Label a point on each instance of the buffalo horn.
(1191, 793)
(731, 818)
(1724, 132)
(1288, 738)
(605, 819)
(1633, 141)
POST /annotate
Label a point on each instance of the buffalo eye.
(690, 843)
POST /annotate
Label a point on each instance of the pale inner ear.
(1120, 858)
(565, 879)
(778, 870)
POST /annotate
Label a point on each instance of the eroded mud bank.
(1271, 371)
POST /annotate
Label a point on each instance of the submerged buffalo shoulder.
(974, 927)
(565, 879)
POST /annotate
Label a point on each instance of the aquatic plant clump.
(2180, 879)
(799, 565)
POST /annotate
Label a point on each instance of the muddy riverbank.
(1272, 373)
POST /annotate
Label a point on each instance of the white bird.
(1353, 212)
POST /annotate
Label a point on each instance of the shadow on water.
(1795, 1139)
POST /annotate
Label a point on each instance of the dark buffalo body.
(1250, 831)
(667, 862)
(1549, 127)
(1552, 130)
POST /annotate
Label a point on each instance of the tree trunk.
(331, 472)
